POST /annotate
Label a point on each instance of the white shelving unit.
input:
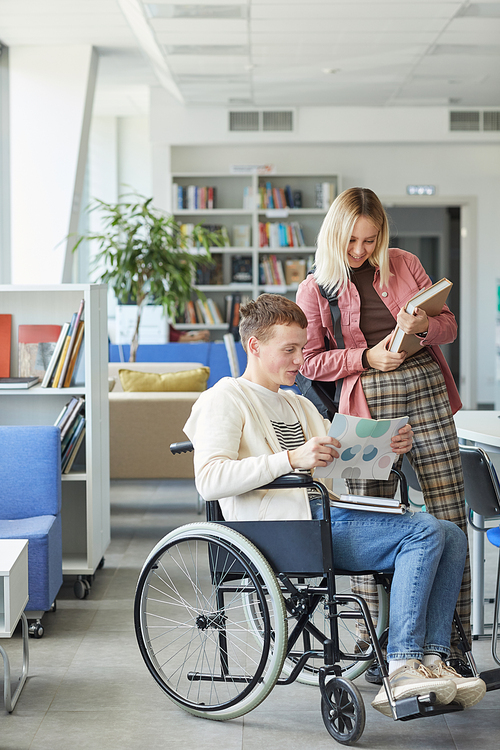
(229, 212)
(85, 490)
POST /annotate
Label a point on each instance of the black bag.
(325, 394)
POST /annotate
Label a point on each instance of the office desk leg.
(10, 699)
(478, 576)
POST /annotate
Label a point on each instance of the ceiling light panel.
(167, 10)
(186, 65)
(481, 10)
(471, 50)
(352, 9)
(207, 50)
(188, 26)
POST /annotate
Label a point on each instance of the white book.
(368, 500)
(399, 508)
(55, 356)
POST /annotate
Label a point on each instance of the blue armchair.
(30, 506)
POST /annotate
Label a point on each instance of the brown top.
(376, 321)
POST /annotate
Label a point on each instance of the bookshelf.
(240, 207)
(85, 489)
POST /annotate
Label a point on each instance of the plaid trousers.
(417, 389)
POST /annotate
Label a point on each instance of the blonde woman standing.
(373, 283)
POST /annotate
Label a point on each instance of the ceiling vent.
(491, 121)
(470, 120)
(266, 120)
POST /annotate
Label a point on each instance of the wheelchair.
(226, 610)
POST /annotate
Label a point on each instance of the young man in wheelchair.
(247, 432)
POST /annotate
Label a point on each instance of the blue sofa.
(30, 505)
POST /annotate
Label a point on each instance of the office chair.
(482, 495)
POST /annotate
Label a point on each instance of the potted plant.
(147, 256)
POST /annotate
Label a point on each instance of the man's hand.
(380, 358)
(402, 442)
(319, 451)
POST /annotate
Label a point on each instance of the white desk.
(483, 429)
(13, 599)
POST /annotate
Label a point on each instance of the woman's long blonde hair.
(331, 267)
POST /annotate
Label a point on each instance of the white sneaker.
(415, 679)
(470, 690)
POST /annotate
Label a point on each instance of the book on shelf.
(193, 197)
(211, 273)
(431, 300)
(221, 230)
(36, 344)
(289, 197)
(248, 198)
(278, 234)
(201, 312)
(13, 383)
(271, 271)
(325, 194)
(5, 344)
(74, 334)
(64, 351)
(190, 312)
(69, 414)
(242, 269)
(233, 303)
(68, 444)
(75, 354)
(214, 309)
(365, 451)
(295, 270)
(55, 356)
(68, 463)
(242, 235)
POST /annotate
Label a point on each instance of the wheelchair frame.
(212, 607)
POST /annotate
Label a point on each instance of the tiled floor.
(89, 689)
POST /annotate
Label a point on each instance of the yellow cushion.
(185, 380)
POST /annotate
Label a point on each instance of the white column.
(51, 95)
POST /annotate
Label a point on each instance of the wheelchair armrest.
(184, 447)
(289, 481)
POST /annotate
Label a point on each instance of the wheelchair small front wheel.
(343, 710)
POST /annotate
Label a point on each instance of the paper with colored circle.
(365, 451)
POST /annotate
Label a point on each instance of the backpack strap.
(333, 301)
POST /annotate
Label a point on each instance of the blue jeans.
(426, 557)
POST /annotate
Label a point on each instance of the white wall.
(385, 149)
(119, 163)
(51, 92)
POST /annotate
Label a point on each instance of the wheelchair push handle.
(184, 447)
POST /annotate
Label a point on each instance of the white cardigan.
(236, 450)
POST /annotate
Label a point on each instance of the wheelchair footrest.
(413, 708)
(492, 679)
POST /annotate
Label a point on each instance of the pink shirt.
(407, 278)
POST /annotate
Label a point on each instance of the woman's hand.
(319, 451)
(380, 358)
(403, 441)
(418, 322)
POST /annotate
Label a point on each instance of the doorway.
(432, 233)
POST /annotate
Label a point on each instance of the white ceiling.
(278, 53)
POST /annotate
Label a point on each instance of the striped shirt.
(288, 429)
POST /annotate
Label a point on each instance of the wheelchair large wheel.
(191, 626)
(350, 642)
(343, 710)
